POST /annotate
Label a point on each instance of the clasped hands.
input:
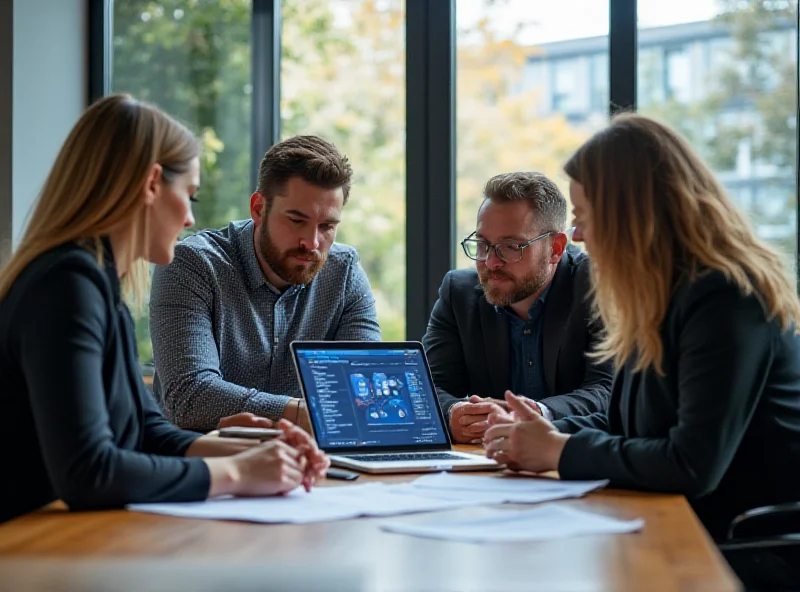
(254, 468)
(310, 460)
(513, 432)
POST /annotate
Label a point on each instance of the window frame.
(430, 120)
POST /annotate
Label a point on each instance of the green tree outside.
(753, 102)
(343, 78)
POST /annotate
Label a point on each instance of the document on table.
(546, 522)
(502, 489)
(426, 494)
(321, 504)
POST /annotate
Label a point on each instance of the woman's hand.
(273, 468)
(316, 461)
(523, 439)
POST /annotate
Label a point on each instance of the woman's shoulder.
(705, 282)
(61, 271)
(710, 289)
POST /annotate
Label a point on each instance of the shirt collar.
(255, 277)
(253, 272)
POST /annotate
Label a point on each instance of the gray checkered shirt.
(221, 332)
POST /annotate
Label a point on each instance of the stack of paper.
(545, 522)
(501, 489)
(321, 504)
(426, 494)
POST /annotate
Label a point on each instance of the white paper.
(427, 494)
(321, 504)
(546, 522)
(502, 489)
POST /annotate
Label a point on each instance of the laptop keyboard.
(404, 456)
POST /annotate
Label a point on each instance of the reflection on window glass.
(568, 90)
(599, 89)
(343, 78)
(725, 75)
(678, 83)
(192, 59)
(532, 86)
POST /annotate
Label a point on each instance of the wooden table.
(672, 552)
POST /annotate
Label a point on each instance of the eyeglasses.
(478, 249)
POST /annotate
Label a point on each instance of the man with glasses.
(520, 321)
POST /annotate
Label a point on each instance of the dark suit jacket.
(78, 423)
(467, 342)
(722, 426)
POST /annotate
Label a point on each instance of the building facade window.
(547, 69)
(730, 86)
(532, 85)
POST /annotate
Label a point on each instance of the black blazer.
(722, 426)
(467, 342)
(78, 423)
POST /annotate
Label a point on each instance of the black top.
(78, 423)
(722, 426)
(467, 342)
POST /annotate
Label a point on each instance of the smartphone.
(339, 474)
(251, 433)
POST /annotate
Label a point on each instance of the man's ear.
(152, 185)
(559, 247)
(257, 203)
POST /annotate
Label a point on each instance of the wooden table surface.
(672, 552)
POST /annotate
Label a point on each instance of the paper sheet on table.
(546, 522)
(521, 490)
(321, 504)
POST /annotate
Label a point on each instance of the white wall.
(48, 82)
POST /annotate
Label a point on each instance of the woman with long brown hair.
(701, 323)
(79, 425)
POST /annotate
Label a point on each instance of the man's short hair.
(309, 157)
(545, 199)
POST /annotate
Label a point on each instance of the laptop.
(374, 409)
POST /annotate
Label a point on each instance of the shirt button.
(527, 332)
(277, 340)
(530, 362)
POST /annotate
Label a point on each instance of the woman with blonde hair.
(79, 424)
(701, 324)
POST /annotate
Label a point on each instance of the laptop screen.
(370, 398)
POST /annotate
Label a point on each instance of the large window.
(533, 80)
(343, 78)
(193, 60)
(532, 85)
(725, 74)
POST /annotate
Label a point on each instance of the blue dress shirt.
(527, 369)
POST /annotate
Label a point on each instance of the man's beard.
(283, 268)
(519, 290)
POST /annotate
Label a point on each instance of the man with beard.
(521, 321)
(223, 313)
